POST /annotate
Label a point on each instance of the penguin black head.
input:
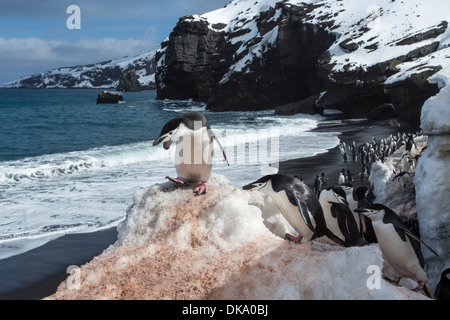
(177, 127)
(278, 182)
(335, 195)
(258, 184)
(374, 212)
(360, 193)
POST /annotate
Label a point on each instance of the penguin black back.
(443, 288)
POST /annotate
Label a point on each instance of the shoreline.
(36, 274)
(332, 162)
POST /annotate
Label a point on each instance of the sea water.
(68, 165)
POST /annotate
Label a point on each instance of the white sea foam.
(83, 191)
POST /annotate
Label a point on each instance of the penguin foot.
(292, 238)
(178, 180)
(394, 281)
(420, 286)
(202, 188)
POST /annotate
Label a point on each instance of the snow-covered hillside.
(368, 31)
(105, 74)
(269, 52)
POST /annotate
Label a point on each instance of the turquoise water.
(68, 165)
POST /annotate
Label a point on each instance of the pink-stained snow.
(224, 245)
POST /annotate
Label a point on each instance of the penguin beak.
(364, 212)
(158, 141)
(164, 138)
(248, 187)
(253, 186)
(345, 202)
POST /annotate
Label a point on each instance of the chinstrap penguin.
(297, 202)
(339, 218)
(194, 151)
(399, 246)
(404, 178)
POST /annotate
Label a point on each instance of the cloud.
(35, 37)
(100, 9)
(23, 57)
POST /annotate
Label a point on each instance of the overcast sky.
(34, 36)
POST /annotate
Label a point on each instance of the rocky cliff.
(255, 55)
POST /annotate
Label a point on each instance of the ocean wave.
(265, 128)
(56, 165)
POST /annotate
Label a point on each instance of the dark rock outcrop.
(129, 82)
(108, 97)
(196, 58)
(281, 56)
(307, 106)
(383, 112)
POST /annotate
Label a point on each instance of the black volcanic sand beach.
(37, 274)
(332, 162)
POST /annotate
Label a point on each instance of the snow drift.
(224, 245)
(432, 181)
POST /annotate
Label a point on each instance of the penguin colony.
(375, 150)
(350, 215)
(346, 215)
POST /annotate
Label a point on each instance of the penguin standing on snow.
(339, 218)
(410, 144)
(294, 200)
(194, 153)
(404, 178)
(297, 202)
(399, 246)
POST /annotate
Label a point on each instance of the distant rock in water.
(105, 97)
(129, 82)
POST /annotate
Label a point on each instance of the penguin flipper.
(343, 220)
(221, 149)
(212, 137)
(302, 208)
(413, 236)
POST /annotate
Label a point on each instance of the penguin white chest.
(398, 253)
(331, 222)
(292, 214)
(194, 155)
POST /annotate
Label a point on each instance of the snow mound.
(174, 245)
(432, 181)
